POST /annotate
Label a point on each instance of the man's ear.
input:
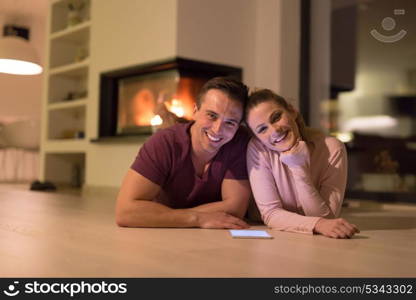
(194, 111)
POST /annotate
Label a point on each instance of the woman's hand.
(297, 156)
(335, 228)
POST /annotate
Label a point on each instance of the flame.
(156, 121)
(143, 107)
(176, 107)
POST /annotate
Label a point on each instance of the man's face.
(216, 121)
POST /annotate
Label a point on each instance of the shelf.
(65, 146)
(73, 83)
(68, 123)
(71, 70)
(67, 104)
(60, 18)
(74, 34)
(69, 46)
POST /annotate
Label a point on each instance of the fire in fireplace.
(136, 100)
(158, 99)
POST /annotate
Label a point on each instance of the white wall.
(277, 47)
(218, 31)
(267, 37)
(320, 59)
(20, 96)
(289, 46)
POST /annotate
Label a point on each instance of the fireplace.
(139, 99)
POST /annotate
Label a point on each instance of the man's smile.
(213, 138)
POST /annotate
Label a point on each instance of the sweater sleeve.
(325, 200)
(267, 196)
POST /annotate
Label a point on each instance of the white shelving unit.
(65, 101)
(69, 104)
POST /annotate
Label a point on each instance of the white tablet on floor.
(250, 234)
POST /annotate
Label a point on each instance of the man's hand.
(297, 156)
(219, 220)
(335, 228)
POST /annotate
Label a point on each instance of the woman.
(298, 175)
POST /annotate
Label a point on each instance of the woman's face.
(274, 126)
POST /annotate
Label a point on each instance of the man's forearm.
(235, 196)
(221, 206)
(143, 213)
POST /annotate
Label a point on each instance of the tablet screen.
(250, 234)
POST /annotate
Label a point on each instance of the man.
(193, 174)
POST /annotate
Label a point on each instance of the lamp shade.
(18, 57)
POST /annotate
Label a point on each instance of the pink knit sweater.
(294, 199)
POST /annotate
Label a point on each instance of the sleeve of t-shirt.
(237, 164)
(154, 158)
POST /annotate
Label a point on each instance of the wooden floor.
(55, 235)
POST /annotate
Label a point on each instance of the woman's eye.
(276, 117)
(261, 130)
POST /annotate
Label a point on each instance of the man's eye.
(231, 124)
(211, 116)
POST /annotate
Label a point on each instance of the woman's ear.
(293, 111)
(299, 121)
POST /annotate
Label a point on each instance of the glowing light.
(368, 123)
(19, 67)
(18, 57)
(156, 121)
(177, 108)
(345, 137)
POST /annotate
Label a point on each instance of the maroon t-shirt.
(165, 159)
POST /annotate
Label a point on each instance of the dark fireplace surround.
(191, 72)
